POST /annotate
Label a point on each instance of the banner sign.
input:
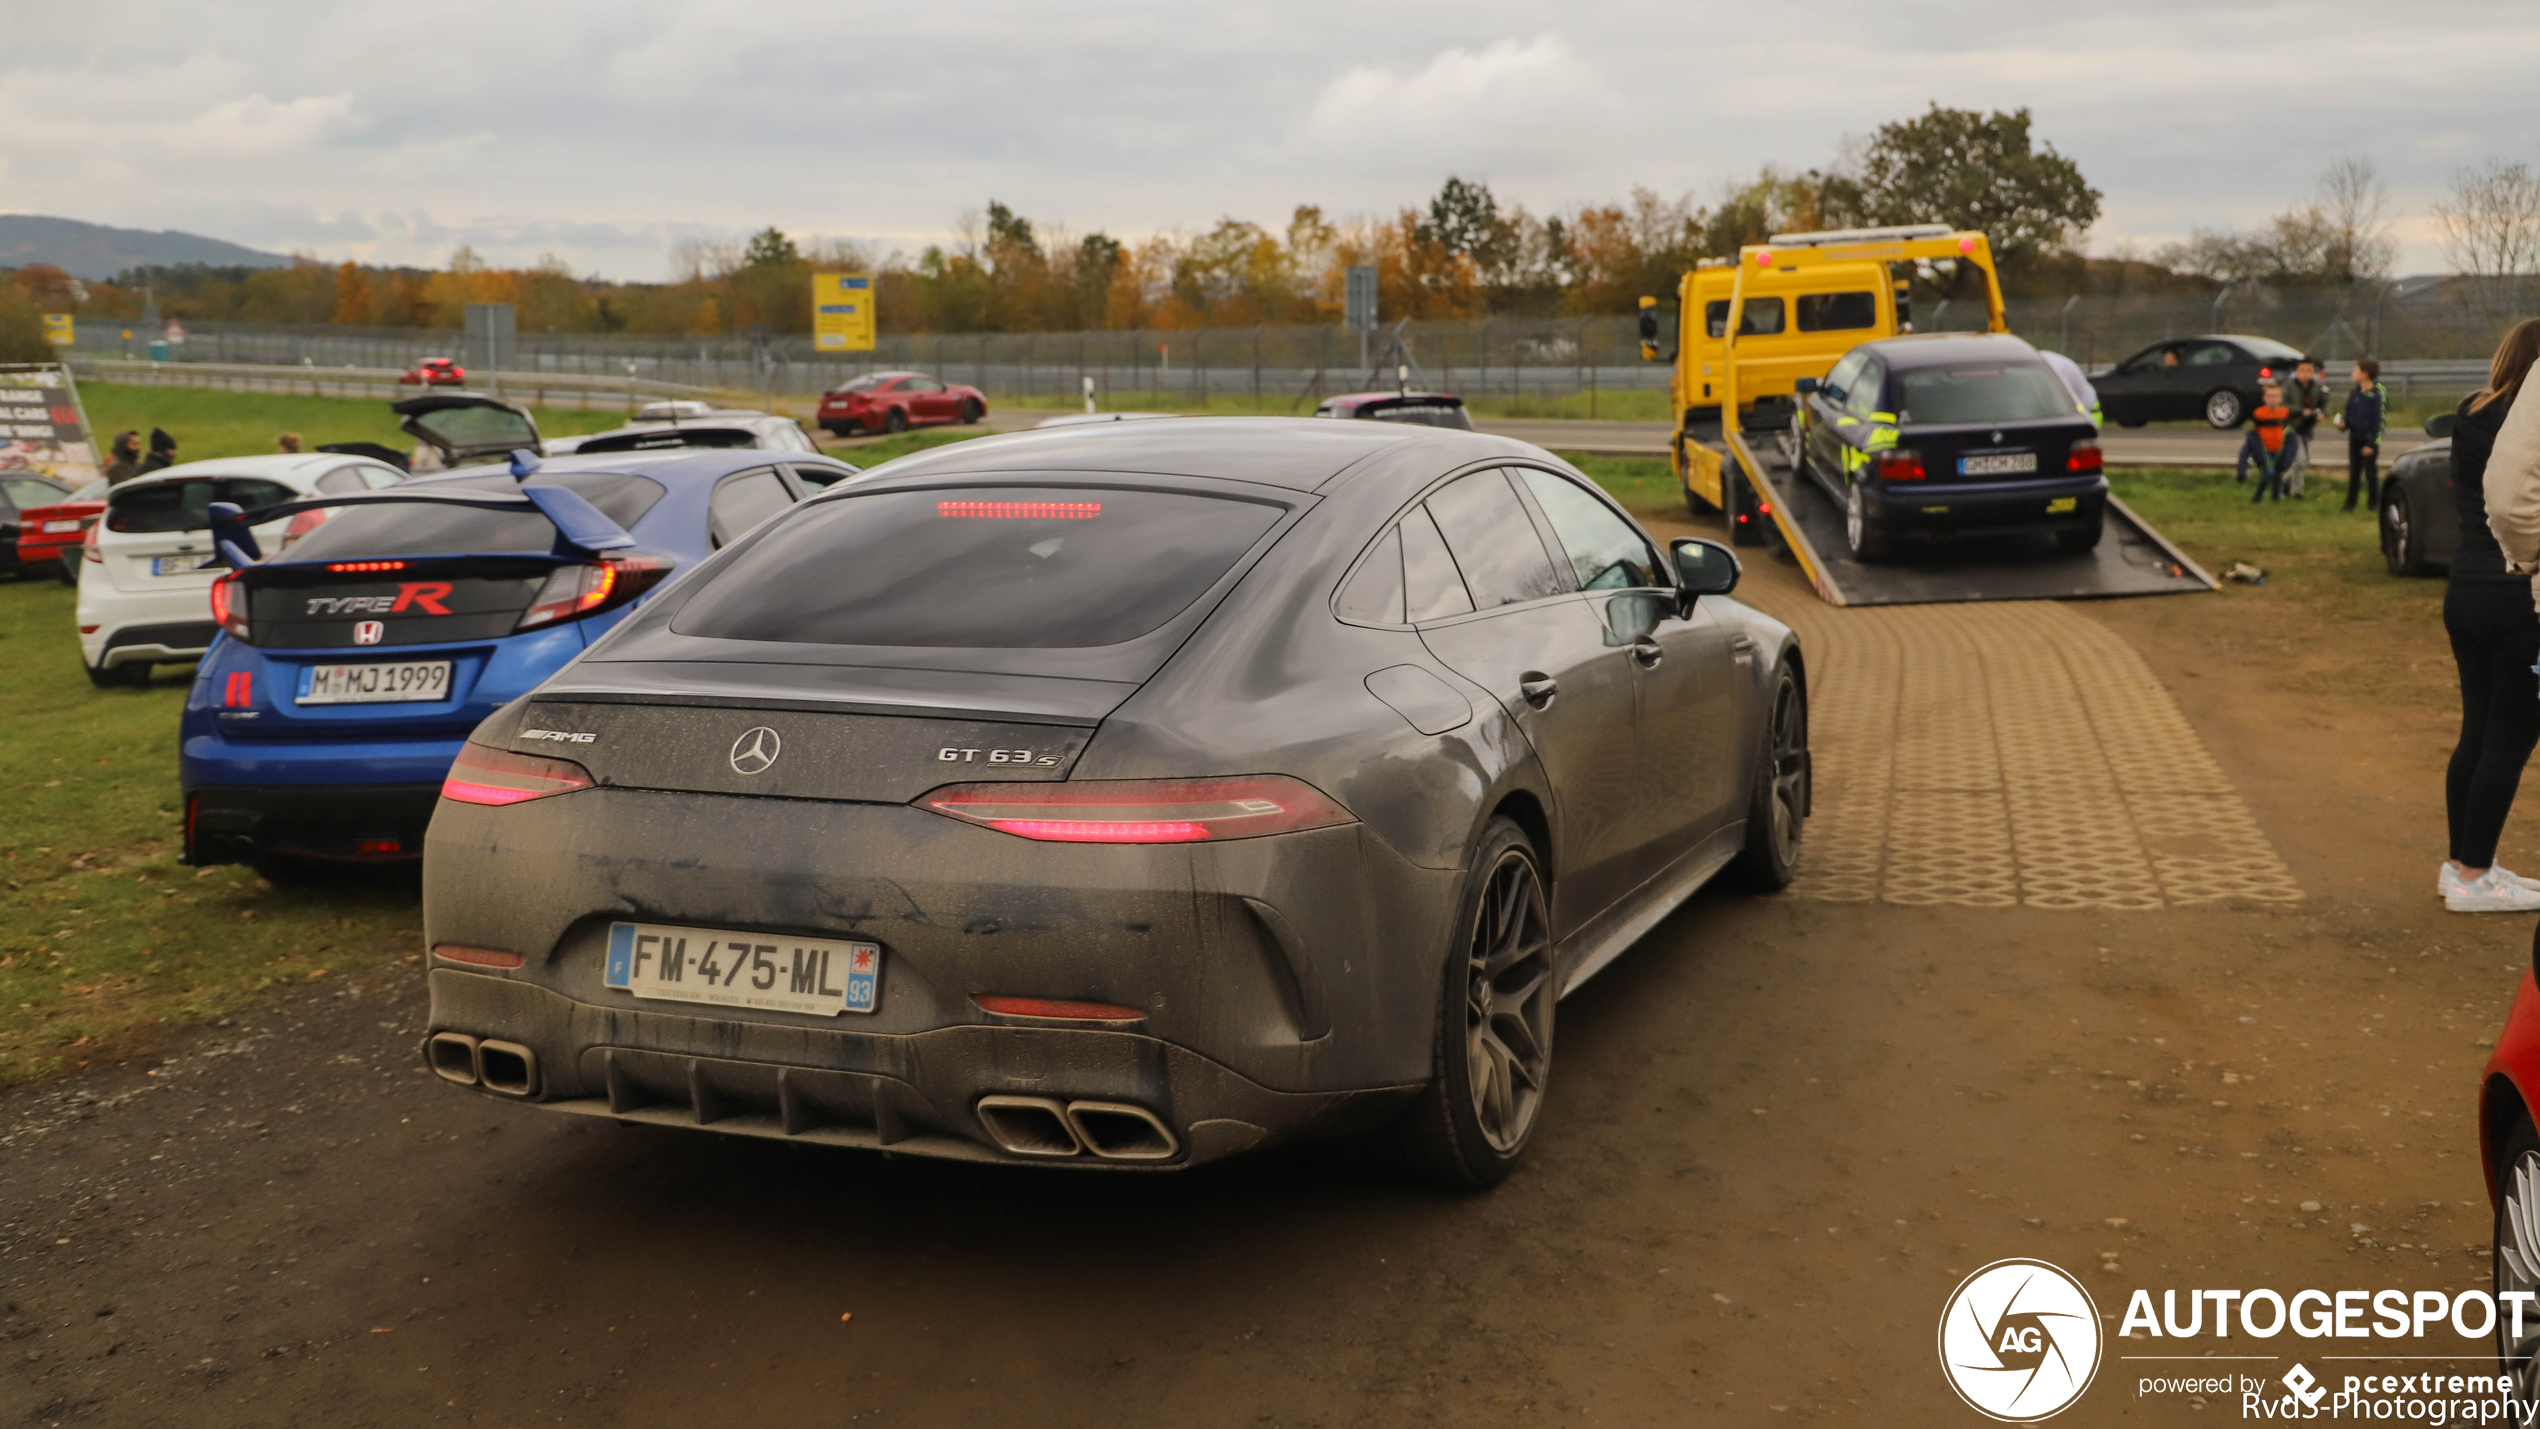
(842, 312)
(43, 428)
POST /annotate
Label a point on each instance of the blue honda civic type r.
(352, 663)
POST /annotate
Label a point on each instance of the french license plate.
(52, 527)
(179, 565)
(763, 971)
(411, 681)
(2001, 465)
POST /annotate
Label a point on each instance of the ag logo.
(755, 750)
(2019, 1340)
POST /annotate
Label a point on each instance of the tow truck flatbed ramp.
(2130, 559)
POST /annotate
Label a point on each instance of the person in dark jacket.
(2366, 413)
(125, 458)
(2487, 611)
(162, 451)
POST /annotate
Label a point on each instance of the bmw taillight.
(496, 777)
(1141, 811)
(1900, 464)
(2085, 456)
(229, 606)
(579, 590)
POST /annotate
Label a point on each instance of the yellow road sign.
(842, 312)
(57, 329)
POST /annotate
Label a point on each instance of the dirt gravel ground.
(1779, 1133)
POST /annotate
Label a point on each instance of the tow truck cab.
(1794, 323)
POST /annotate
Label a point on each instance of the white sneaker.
(2494, 891)
(2447, 876)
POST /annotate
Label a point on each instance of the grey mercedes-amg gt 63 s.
(1121, 795)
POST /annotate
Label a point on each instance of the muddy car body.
(1258, 810)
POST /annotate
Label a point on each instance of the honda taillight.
(1900, 465)
(578, 590)
(482, 775)
(229, 606)
(88, 544)
(2085, 456)
(1141, 811)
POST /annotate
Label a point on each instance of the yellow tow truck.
(1803, 300)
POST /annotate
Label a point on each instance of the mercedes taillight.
(1141, 811)
(496, 777)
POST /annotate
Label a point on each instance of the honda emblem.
(369, 632)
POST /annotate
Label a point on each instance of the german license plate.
(410, 681)
(762, 971)
(2003, 464)
(179, 565)
(58, 526)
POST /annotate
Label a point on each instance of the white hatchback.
(147, 568)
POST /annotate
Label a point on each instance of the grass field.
(1635, 405)
(208, 424)
(104, 940)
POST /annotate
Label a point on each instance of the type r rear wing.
(581, 528)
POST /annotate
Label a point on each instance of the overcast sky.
(603, 132)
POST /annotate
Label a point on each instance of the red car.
(897, 401)
(435, 372)
(49, 523)
(2509, 1149)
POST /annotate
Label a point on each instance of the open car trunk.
(467, 427)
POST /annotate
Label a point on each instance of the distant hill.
(94, 250)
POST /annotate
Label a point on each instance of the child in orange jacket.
(2267, 424)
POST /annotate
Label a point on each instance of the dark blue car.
(353, 662)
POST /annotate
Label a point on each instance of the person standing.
(2308, 399)
(2495, 633)
(2365, 415)
(2266, 430)
(162, 451)
(126, 454)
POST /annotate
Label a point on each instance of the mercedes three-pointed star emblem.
(755, 750)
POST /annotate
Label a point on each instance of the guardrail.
(538, 389)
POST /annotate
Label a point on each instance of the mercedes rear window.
(415, 528)
(1999, 392)
(1005, 567)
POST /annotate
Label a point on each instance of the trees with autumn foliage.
(1463, 254)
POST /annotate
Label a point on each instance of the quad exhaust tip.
(1048, 1128)
(503, 1068)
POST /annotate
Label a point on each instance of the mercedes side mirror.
(1704, 568)
(2440, 424)
(1804, 386)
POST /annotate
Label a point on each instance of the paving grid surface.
(2017, 752)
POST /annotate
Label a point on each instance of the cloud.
(256, 125)
(1511, 105)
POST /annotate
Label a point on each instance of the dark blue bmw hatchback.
(353, 662)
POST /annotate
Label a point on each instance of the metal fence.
(1289, 367)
